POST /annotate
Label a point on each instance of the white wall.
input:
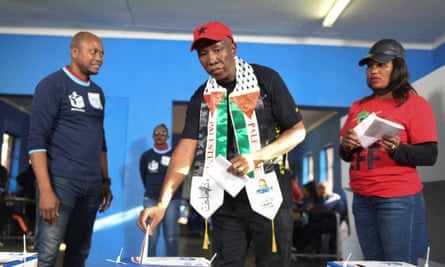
(432, 87)
(350, 245)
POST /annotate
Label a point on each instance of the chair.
(13, 225)
(21, 222)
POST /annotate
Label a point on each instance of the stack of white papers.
(372, 128)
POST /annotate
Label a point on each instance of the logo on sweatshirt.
(77, 101)
(95, 102)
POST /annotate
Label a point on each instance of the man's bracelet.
(106, 180)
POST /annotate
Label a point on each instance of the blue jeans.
(391, 229)
(79, 203)
(170, 228)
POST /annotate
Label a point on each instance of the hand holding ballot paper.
(230, 183)
(373, 128)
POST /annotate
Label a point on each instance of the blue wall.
(141, 79)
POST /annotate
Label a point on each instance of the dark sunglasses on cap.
(162, 133)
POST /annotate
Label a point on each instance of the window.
(327, 165)
(7, 150)
(308, 168)
(323, 166)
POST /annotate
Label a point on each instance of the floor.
(190, 245)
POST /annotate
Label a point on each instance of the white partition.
(351, 247)
(432, 87)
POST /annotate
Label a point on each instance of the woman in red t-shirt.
(388, 202)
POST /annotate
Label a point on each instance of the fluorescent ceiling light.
(336, 9)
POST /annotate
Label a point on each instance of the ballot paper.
(373, 127)
(232, 184)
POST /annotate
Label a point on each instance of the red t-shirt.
(296, 192)
(372, 171)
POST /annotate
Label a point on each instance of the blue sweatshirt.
(66, 121)
(153, 166)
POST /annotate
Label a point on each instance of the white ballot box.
(166, 261)
(369, 264)
(144, 261)
(18, 259)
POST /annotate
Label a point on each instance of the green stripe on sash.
(242, 136)
(240, 129)
(221, 128)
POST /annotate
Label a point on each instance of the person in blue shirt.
(153, 165)
(68, 152)
(321, 220)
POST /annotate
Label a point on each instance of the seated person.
(309, 196)
(306, 202)
(3, 180)
(296, 192)
(26, 189)
(11, 222)
(308, 238)
(5, 209)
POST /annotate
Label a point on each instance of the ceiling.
(415, 23)
(409, 21)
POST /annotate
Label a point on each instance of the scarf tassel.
(206, 241)
(274, 241)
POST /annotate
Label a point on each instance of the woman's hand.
(390, 143)
(350, 141)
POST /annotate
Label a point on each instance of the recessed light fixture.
(334, 12)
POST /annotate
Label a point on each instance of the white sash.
(205, 195)
(264, 194)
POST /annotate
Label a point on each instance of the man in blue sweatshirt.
(68, 152)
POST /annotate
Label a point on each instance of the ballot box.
(166, 261)
(144, 261)
(369, 264)
(18, 259)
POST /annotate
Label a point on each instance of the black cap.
(384, 51)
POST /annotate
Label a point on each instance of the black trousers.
(235, 226)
